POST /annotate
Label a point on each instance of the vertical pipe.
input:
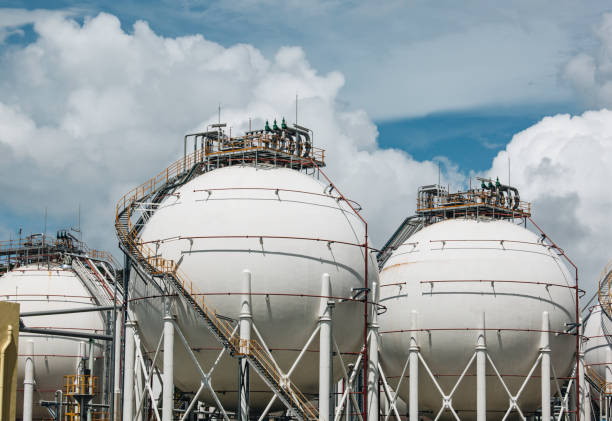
(128, 372)
(545, 366)
(117, 367)
(373, 389)
(366, 306)
(168, 375)
(91, 373)
(582, 381)
(481, 375)
(139, 393)
(608, 380)
(28, 381)
(413, 398)
(325, 349)
(245, 336)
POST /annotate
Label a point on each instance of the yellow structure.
(9, 340)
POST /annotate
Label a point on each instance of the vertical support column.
(585, 403)
(325, 349)
(90, 369)
(128, 372)
(168, 375)
(606, 398)
(117, 367)
(545, 366)
(481, 372)
(373, 388)
(413, 397)
(139, 394)
(28, 381)
(246, 319)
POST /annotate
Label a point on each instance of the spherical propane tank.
(288, 229)
(42, 287)
(457, 277)
(598, 346)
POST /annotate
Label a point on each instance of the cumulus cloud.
(89, 111)
(561, 165)
(590, 74)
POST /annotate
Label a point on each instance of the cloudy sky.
(95, 97)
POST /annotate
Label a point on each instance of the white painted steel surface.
(597, 331)
(250, 204)
(42, 287)
(460, 305)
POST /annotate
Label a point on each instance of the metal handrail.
(44, 241)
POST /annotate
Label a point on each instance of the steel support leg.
(585, 403)
(140, 393)
(413, 398)
(128, 372)
(28, 382)
(325, 350)
(168, 375)
(373, 403)
(117, 368)
(545, 366)
(481, 374)
(246, 319)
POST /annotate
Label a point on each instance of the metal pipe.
(545, 366)
(139, 392)
(116, 409)
(128, 373)
(481, 374)
(168, 375)
(413, 400)
(373, 378)
(28, 382)
(325, 350)
(91, 371)
(66, 311)
(55, 332)
(246, 319)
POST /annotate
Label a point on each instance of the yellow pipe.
(4, 378)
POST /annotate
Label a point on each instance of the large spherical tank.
(50, 287)
(297, 231)
(597, 345)
(471, 255)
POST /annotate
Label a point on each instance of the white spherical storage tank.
(456, 277)
(598, 346)
(44, 287)
(287, 229)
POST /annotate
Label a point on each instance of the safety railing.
(604, 291)
(604, 386)
(29, 243)
(80, 384)
(269, 141)
(471, 199)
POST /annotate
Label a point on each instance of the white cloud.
(561, 165)
(89, 111)
(590, 74)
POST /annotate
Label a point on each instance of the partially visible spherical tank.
(598, 346)
(42, 287)
(597, 333)
(447, 274)
(288, 229)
